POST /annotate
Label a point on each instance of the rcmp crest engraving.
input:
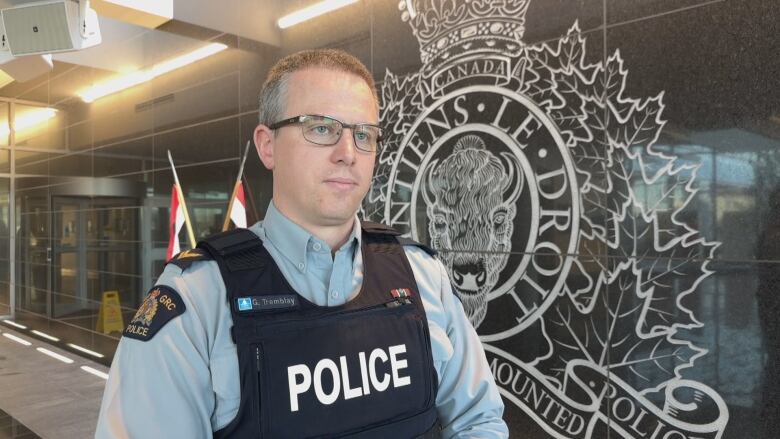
(528, 169)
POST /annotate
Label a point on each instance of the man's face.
(316, 185)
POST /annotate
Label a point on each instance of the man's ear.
(264, 143)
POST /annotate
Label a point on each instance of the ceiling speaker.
(49, 26)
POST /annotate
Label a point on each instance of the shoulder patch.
(160, 306)
(184, 259)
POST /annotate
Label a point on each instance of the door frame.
(79, 187)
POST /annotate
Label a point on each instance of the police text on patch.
(299, 376)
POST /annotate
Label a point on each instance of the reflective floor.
(46, 390)
(10, 428)
(71, 336)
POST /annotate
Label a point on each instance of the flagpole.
(179, 192)
(250, 198)
(226, 223)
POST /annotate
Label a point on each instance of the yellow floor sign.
(110, 314)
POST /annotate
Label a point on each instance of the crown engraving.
(449, 29)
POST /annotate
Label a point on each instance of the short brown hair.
(273, 95)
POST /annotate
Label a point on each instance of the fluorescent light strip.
(114, 85)
(17, 339)
(95, 372)
(85, 350)
(126, 81)
(312, 11)
(45, 335)
(28, 119)
(181, 61)
(54, 355)
(14, 324)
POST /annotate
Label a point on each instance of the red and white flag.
(238, 207)
(176, 223)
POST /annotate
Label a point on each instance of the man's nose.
(345, 149)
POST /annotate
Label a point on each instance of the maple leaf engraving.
(544, 89)
(607, 335)
(571, 49)
(398, 108)
(633, 200)
(399, 104)
(613, 80)
(640, 125)
(567, 55)
(670, 269)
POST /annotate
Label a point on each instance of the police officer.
(310, 323)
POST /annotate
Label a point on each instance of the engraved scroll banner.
(592, 401)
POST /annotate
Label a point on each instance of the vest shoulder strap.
(381, 229)
(237, 249)
(378, 229)
(412, 242)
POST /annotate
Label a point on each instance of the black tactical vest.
(360, 370)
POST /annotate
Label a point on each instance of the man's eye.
(321, 129)
(362, 136)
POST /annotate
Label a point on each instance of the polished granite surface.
(10, 428)
(45, 395)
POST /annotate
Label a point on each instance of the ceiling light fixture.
(26, 120)
(128, 80)
(312, 11)
(5, 79)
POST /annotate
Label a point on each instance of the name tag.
(267, 303)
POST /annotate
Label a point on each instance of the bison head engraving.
(471, 204)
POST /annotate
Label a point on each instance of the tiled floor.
(72, 330)
(10, 428)
(44, 395)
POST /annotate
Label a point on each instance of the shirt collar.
(293, 241)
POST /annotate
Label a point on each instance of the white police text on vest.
(299, 377)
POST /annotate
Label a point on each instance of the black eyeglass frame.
(301, 118)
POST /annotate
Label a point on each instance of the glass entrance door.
(95, 251)
(69, 257)
(34, 254)
(113, 251)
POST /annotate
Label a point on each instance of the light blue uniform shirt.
(184, 381)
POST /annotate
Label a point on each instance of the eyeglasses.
(326, 131)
